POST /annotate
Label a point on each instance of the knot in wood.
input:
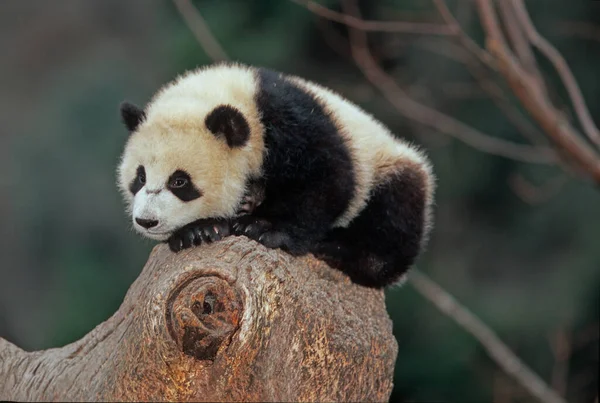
(202, 314)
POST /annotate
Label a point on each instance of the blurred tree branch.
(382, 26)
(561, 66)
(533, 96)
(200, 29)
(520, 72)
(580, 29)
(430, 117)
(504, 357)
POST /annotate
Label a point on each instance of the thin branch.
(492, 88)
(497, 350)
(532, 97)
(496, 93)
(468, 43)
(560, 344)
(519, 42)
(200, 29)
(382, 26)
(487, 15)
(533, 194)
(462, 90)
(580, 29)
(432, 118)
(562, 68)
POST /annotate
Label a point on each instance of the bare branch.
(533, 194)
(491, 87)
(517, 39)
(533, 98)
(470, 45)
(432, 118)
(562, 68)
(497, 350)
(560, 343)
(520, 43)
(580, 29)
(382, 26)
(200, 30)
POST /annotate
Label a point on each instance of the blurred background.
(516, 237)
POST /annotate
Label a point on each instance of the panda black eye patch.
(180, 184)
(139, 181)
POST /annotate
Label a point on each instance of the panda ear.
(228, 122)
(131, 115)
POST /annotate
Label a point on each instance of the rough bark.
(229, 321)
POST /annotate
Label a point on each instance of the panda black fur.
(243, 150)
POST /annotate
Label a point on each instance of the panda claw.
(251, 227)
(187, 239)
(197, 236)
(216, 234)
(210, 234)
(238, 228)
(175, 244)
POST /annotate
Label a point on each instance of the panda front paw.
(207, 231)
(251, 226)
(262, 230)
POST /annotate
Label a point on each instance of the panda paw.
(250, 226)
(207, 231)
(276, 240)
(262, 231)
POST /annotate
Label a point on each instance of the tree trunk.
(228, 321)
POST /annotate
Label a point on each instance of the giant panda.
(230, 149)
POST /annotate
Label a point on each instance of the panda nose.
(146, 223)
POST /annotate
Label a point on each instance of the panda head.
(186, 160)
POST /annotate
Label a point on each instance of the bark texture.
(229, 321)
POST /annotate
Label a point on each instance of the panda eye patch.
(139, 181)
(181, 185)
(141, 174)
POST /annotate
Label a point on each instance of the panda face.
(191, 150)
(162, 205)
(171, 177)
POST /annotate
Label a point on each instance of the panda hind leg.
(381, 244)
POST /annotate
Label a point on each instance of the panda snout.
(146, 223)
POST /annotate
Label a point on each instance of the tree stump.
(230, 321)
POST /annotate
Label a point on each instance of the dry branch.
(430, 117)
(498, 351)
(534, 99)
(518, 41)
(580, 29)
(200, 29)
(561, 67)
(381, 26)
(232, 321)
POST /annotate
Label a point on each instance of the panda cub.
(236, 150)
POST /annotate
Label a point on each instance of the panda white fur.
(232, 149)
